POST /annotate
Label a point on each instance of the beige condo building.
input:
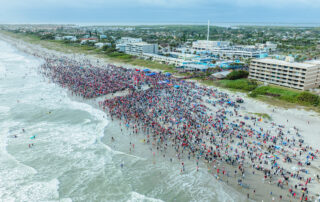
(302, 76)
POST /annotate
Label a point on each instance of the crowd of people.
(198, 122)
(203, 123)
(85, 80)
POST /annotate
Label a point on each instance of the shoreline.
(256, 179)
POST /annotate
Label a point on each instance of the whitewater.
(72, 157)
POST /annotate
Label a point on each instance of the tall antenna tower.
(208, 41)
(208, 30)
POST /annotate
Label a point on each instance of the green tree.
(237, 75)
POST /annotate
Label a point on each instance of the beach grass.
(288, 95)
(242, 84)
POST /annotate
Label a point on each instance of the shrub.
(237, 75)
(242, 84)
(282, 94)
(307, 98)
(253, 94)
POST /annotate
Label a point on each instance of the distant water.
(73, 158)
(219, 24)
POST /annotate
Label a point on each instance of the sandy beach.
(244, 136)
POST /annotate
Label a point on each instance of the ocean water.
(73, 157)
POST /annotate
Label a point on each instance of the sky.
(160, 11)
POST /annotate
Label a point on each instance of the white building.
(271, 46)
(225, 50)
(140, 48)
(237, 52)
(296, 75)
(207, 45)
(194, 67)
(163, 59)
(58, 38)
(100, 45)
(268, 46)
(86, 40)
(184, 56)
(126, 40)
(121, 47)
(70, 38)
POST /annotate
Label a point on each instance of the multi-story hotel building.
(302, 76)
(140, 48)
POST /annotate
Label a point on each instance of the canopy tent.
(151, 74)
(177, 86)
(168, 74)
(146, 70)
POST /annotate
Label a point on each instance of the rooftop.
(285, 63)
(314, 62)
(140, 43)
